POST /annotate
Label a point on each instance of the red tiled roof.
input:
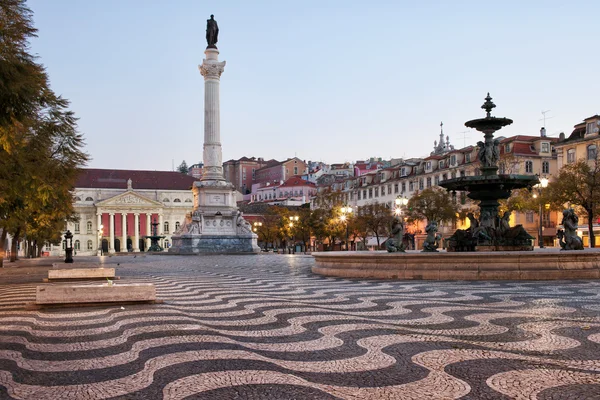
(117, 179)
(296, 181)
(523, 148)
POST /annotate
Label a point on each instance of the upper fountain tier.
(489, 124)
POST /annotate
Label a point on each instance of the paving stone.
(265, 327)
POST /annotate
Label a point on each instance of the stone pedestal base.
(214, 244)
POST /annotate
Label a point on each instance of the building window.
(188, 200)
(395, 188)
(89, 199)
(166, 227)
(420, 183)
(528, 167)
(390, 188)
(462, 173)
(428, 167)
(429, 182)
(370, 193)
(77, 245)
(76, 227)
(359, 195)
(77, 198)
(570, 156)
(437, 179)
(376, 192)
(295, 170)
(403, 187)
(590, 128)
(529, 216)
(545, 167)
(592, 152)
(411, 186)
(453, 174)
(468, 157)
(403, 172)
(507, 148)
(177, 225)
(176, 201)
(165, 200)
(442, 164)
(90, 245)
(545, 147)
(89, 227)
(453, 159)
(444, 177)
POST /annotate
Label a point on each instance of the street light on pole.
(401, 201)
(346, 211)
(542, 185)
(293, 218)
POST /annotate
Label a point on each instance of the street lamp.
(100, 229)
(293, 218)
(346, 211)
(401, 201)
(542, 185)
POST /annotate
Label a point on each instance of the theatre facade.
(117, 208)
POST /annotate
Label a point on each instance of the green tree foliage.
(432, 204)
(578, 184)
(374, 219)
(40, 148)
(183, 167)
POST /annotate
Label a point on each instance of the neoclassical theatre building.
(117, 207)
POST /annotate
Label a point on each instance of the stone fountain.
(154, 238)
(491, 232)
(490, 249)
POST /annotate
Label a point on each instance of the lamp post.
(401, 201)
(68, 247)
(100, 230)
(293, 218)
(542, 185)
(346, 211)
(255, 227)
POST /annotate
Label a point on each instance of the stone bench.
(105, 293)
(81, 274)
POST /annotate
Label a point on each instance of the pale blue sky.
(324, 80)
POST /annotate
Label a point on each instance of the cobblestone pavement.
(264, 327)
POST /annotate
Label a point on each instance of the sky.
(323, 80)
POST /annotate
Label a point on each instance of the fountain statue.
(491, 231)
(568, 238)
(395, 243)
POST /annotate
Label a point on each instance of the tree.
(579, 184)
(183, 167)
(374, 218)
(432, 204)
(40, 148)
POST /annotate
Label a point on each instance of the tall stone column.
(148, 230)
(111, 244)
(161, 230)
(211, 69)
(136, 227)
(123, 232)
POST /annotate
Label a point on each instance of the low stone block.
(72, 294)
(81, 273)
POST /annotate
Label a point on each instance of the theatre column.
(148, 230)
(160, 229)
(124, 232)
(111, 244)
(136, 224)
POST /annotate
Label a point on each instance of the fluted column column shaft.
(148, 230)
(123, 232)
(212, 69)
(111, 244)
(136, 227)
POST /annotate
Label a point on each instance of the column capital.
(112, 214)
(211, 69)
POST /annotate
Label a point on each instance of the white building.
(116, 209)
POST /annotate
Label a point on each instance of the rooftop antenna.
(544, 117)
(464, 137)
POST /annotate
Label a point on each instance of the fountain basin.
(540, 264)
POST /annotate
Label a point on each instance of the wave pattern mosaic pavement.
(264, 327)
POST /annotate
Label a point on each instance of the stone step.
(81, 273)
(105, 293)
